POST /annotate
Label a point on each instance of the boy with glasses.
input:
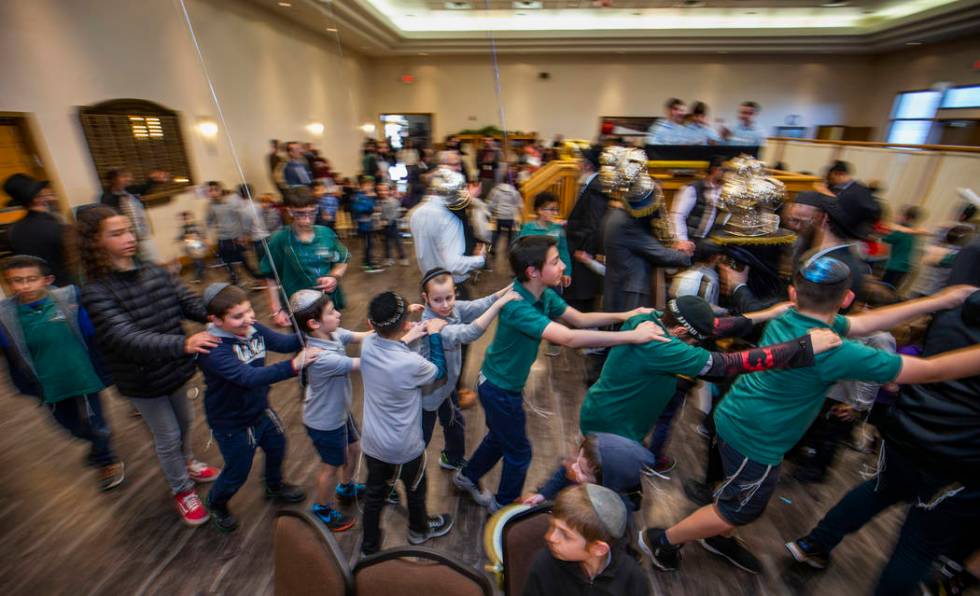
(305, 256)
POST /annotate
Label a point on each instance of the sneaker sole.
(196, 522)
(116, 482)
(202, 480)
(477, 497)
(449, 466)
(801, 557)
(649, 552)
(715, 551)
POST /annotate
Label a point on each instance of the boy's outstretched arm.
(559, 334)
(795, 353)
(457, 334)
(576, 318)
(957, 364)
(887, 317)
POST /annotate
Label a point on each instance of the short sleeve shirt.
(519, 328)
(766, 413)
(636, 383)
(327, 399)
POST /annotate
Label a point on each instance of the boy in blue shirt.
(523, 324)
(46, 337)
(363, 211)
(236, 400)
(327, 404)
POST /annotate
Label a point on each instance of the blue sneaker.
(333, 519)
(346, 493)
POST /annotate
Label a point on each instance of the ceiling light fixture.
(692, 4)
(458, 5)
(284, 4)
(331, 29)
(834, 3)
(527, 4)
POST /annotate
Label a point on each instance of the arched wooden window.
(139, 136)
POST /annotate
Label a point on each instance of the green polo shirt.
(514, 348)
(60, 359)
(636, 383)
(766, 413)
(299, 264)
(902, 244)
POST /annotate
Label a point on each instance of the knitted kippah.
(694, 314)
(213, 290)
(824, 270)
(609, 508)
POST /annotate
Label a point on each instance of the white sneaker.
(480, 497)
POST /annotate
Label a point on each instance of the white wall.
(272, 78)
(460, 91)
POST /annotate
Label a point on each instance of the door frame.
(26, 122)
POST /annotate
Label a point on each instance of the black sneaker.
(439, 525)
(222, 519)
(663, 557)
(285, 493)
(732, 550)
(805, 551)
(698, 492)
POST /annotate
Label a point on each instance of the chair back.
(416, 571)
(308, 559)
(523, 538)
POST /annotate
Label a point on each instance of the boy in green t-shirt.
(765, 414)
(305, 256)
(45, 335)
(521, 326)
(638, 381)
(546, 208)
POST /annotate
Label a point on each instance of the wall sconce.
(208, 129)
(315, 128)
(368, 128)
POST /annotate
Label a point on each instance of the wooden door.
(16, 155)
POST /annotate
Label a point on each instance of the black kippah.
(432, 274)
(386, 310)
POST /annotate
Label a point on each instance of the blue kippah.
(824, 270)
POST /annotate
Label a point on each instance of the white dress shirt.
(439, 240)
(684, 202)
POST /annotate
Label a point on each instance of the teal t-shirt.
(636, 383)
(766, 413)
(901, 244)
(514, 348)
(61, 360)
(556, 231)
(299, 264)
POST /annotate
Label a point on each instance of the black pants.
(941, 514)
(232, 253)
(504, 226)
(818, 448)
(453, 427)
(380, 480)
(82, 417)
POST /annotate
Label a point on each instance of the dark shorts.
(332, 444)
(748, 486)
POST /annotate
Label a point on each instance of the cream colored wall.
(460, 91)
(918, 67)
(272, 78)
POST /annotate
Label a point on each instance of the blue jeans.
(937, 520)
(506, 438)
(453, 427)
(82, 417)
(238, 449)
(661, 430)
(367, 236)
(392, 238)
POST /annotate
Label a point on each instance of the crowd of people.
(826, 344)
(681, 126)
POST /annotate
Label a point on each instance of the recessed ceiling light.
(834, 3)
(284, 4)
(520, 14)
(751, 12)
(331, 29)
(458, 5)
(637, 13)
(692, 3)
(526, 4)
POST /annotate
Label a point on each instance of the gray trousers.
(169, 418)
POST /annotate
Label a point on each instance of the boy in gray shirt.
(327, 403)
(467, 321)
(393, 376)
(228, 219)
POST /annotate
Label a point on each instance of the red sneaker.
(191, 509)
(201, 472)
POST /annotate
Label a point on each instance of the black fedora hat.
(855, 214)
(23, 188)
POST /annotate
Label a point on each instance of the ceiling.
(424, 27)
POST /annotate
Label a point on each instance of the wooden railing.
(559, 177)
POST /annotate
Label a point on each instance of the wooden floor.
(60, 535)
